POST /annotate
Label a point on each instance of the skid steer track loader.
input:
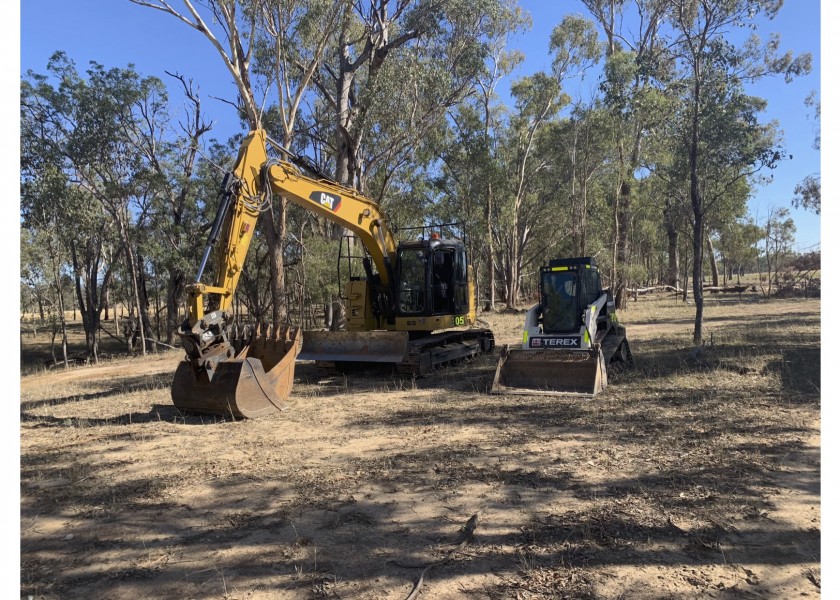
(569, 338)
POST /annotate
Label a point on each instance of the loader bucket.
(355, 346)
(255, 383)
(550, 371)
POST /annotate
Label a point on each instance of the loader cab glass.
(560, 301)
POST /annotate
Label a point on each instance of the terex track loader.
(414, 308)
(569, 337)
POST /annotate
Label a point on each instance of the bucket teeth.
(256, 382)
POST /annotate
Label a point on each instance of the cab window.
(560, 301)
(412, 281)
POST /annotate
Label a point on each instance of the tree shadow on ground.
(123, 385)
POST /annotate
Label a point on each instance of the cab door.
(442, 278)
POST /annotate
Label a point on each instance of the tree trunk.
(622, 244)
(673, 275)
(62, 322)
(582, 219)
(491, 252)
(713, 262)
(174, 290)
(133, 276)
(697, 209)
(275, 236)
(143, 313)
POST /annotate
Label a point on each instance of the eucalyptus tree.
(537, 98)
(105, 111)
(633, 52)
(737, 240)
(42, 194)
(173, 159)
(266, 46)
(410, 60)
(723, 140)
(291, 41)
(500, 64)
(583, 152)
(779, 235)
(470, 174)
(808, 192)
(574, 48)
(79, 171)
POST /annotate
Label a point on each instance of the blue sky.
(117, 32)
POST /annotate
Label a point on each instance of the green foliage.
(672, 136)
(808, 193)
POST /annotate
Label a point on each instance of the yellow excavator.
(414, 308)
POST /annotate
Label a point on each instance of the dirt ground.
(694, 475)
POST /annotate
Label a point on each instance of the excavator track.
(442, 349)
(351, 351)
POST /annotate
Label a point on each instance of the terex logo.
(555, 342)
(331, 201)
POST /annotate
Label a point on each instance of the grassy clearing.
(695, 474)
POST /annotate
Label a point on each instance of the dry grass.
(695, 474)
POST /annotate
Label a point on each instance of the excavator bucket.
(255, 382)
(550, 371)
(355, 346)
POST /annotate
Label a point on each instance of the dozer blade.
(355, 346)
(550, 371)
(255, 383)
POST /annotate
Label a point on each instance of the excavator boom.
(228, 372)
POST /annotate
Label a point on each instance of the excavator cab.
(431, 278)
(429, 290)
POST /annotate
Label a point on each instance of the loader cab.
(431, 278)
(567, 286)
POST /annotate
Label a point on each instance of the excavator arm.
(252, 182)
(248, 374)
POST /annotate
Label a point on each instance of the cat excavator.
(413, 309)
(570, 338)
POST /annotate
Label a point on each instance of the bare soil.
(694, 475)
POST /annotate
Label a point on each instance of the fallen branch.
(147, 339)
(466, 537)
(655, 288)
(736, 289)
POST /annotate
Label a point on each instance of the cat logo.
(330, 201)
